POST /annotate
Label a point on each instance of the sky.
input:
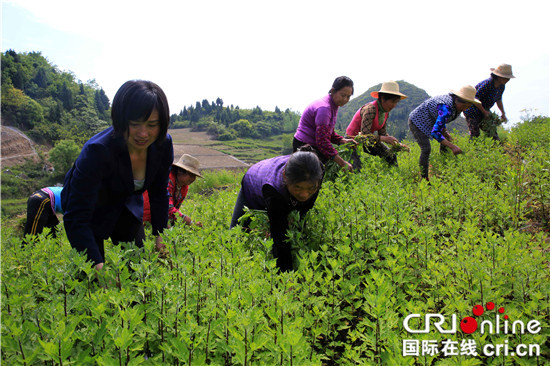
(287, 53)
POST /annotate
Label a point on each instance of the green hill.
(397, 121)
(49, 104)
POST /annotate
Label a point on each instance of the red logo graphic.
(469, 324)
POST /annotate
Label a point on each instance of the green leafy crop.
(378, 246)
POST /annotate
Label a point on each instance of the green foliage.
(63, 155)
(229, 123)
(214, 180)
(252, 150)
(378, 246)
(16, 106)
(19, 182)
(244, 128)
(47, 103)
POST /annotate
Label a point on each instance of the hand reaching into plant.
(447, 135)
(343, 164)
(399, 147)
(455, 149)
(190, 222)
(405, 147)
(161, 247)
(347, 141)
(389, 140)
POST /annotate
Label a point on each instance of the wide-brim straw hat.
(504, 71)
(389, 87)
(467, 93)
(189, 163)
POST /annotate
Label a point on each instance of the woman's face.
(142, 134)
(341, 97)
(462, 105)
(389, 104)
(501, 81)
(302, 191)
(185, 178)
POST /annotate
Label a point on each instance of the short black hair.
(496, 77)
(176, 169)
(135, 100)
(303, 166)
(387, 96)
(341, 82)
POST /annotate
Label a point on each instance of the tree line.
(231, 122)
(49, 104)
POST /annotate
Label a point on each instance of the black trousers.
(127, 229)
(40, 214)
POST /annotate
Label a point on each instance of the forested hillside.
(50, 104)
(397, 121)
(229, 123)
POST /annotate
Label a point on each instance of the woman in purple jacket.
(316, 127)
(280, 185)
(102, 194)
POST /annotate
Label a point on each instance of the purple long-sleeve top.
(316, 126)
(264, 189)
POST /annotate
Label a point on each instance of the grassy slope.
(245, 149)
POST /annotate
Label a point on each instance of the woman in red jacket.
(182, 174)
(370, 121)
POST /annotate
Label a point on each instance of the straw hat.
(189, 163)
(504, 71)
(467, 93)
(389, 87)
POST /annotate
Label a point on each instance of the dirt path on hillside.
(16, 147)
(196, 144)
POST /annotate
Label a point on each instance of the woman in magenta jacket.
(316, 127)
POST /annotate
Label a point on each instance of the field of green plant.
(378, 246)
(250, 150)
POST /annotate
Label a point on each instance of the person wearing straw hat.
(429, 120)
(370, 120)
(489, 92)
(182, 175)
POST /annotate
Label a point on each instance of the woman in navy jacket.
(102, 195)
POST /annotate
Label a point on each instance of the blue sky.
(287, 53)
